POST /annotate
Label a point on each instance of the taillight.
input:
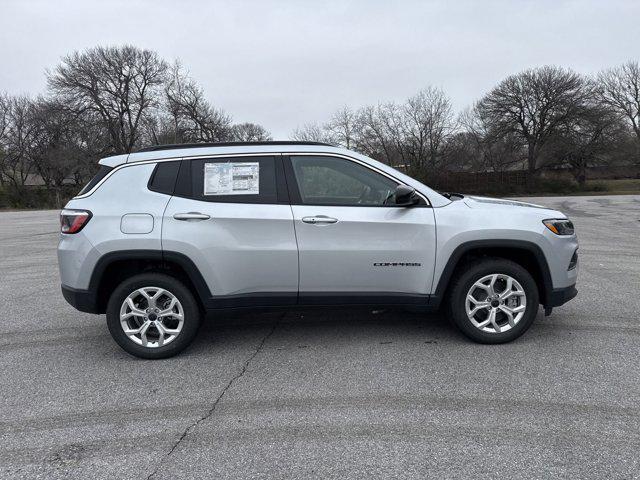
(72, 221)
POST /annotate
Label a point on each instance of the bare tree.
(120, 85)
(389, 125)
(490, 150)
(15, 163)
(108, 100)
(4, 124)
(4, 115)
(104, 101)
(619, 88)
(57, 149)
(377, 133)
(312, 132)
(591, 138)
(412, 135)
(95, 143)
(249, 132)
(371, 135)
(192, 117)
(427, 122)
(342, 127)
(534, 105)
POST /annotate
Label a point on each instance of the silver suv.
(161, 236)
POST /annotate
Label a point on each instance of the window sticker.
(232, 178)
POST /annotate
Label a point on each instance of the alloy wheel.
(151, 317)
(495, 303)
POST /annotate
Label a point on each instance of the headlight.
(559, 226)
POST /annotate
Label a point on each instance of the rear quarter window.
(164, 176)
(103, 171)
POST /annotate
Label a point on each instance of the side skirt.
(285, 300)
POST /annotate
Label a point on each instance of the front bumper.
(83, 300)
(560, 296)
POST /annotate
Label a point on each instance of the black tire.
(192, 315)
(473, 272)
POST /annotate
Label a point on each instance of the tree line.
(536, 119)
(100, 102)
(114, 100)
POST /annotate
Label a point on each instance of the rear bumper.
(560, 296)
(83, 300)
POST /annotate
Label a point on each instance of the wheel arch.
(527, 254)
(114, 267)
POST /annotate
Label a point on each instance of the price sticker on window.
(232, 178)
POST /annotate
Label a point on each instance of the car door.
(355, 245)
(231, 216)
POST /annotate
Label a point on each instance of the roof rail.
(155, 148)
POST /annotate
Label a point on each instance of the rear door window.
(234, 180)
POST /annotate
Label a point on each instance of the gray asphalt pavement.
(329, 394)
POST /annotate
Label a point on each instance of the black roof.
(173, 146)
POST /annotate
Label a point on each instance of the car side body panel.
(241, 249)
(264, 255)
(124, 195)
(504, 225)
(374, 249)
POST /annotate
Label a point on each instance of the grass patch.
(623, 185)
(562, 187)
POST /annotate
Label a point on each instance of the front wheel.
(494, 300)
(152, 315)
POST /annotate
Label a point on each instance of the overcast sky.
(283, 64)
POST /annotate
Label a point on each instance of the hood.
(499, 201)
(513, 206)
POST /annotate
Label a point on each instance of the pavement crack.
(212, 410)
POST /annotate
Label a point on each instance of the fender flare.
(463, 248)
(180, 259)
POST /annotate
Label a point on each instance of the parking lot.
(326, 394)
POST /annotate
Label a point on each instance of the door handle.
(319, 220)
(191, 216)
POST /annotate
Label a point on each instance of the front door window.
(336, 181)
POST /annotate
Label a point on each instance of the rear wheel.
(152, 315)
(494, 300)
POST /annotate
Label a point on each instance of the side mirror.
(405, 196)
